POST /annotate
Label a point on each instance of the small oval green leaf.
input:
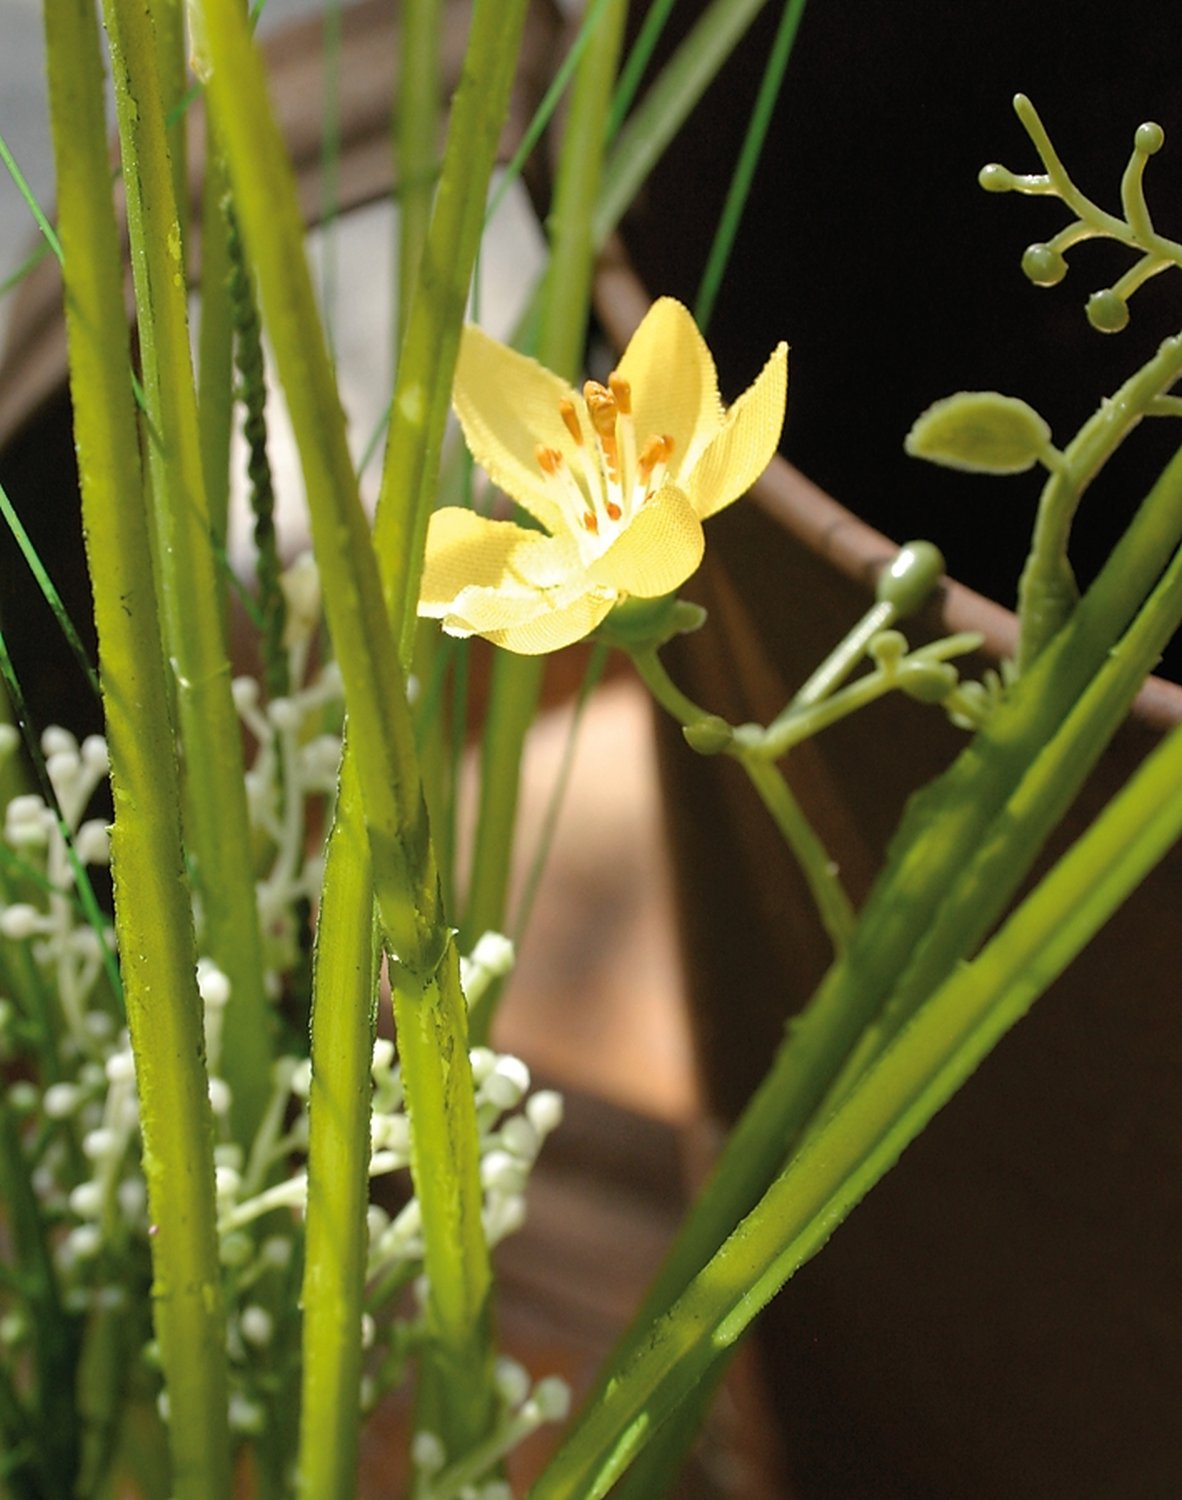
(982, 431)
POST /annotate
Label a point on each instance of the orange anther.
(622, 391)
(570, 418)
(591, 522)
(601, 404)
(549, 459)
(653, 453)
(613, 510)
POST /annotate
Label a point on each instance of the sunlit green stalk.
(343, 1012)
(217, 827)
(215, 349)
(168, 18)
(859, 1144)
(428, 1007)
(566, 295)
(153, 915)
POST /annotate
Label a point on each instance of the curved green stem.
(1047, 592)
(833, 905)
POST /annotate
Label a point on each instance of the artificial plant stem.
(982, 889)
(942, 830)
(748, 159)
(215, 348)
(437, 1078)
(566, 296)
(416, 122)
(344, 990)
(857, 1145)
(153, 916)
(1046, 591)
(171, 66)
(685, 78)
(217, 826)
(422, 392)
(819, 871)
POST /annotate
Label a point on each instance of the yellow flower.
(621, 477)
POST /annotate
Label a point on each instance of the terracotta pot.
(1002, 1315)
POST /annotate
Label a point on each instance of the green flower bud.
(910, 580)
(928, 682)
(1108, 312)
(1150, 138)
(982, 431)
(1043, 266)
(708, 736)
(995, 178)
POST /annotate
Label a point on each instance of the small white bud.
(212, 984)
(512, 1382)
(552, 1397)
(100, 1143)
(507, 1083)
(92, 843)
(427, 1453)
(20, 920)
(60, 1100)
(86, 1200)
(120, 1067)
(257, 1325)
(220, 1097)
(84, 1242)
(544, 1111)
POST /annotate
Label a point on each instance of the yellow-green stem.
(153, 915)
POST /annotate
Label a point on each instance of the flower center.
(614, 478)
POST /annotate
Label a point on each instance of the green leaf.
(982, 431)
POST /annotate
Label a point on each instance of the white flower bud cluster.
(525, 1405)
(297, 756)
(49, 852)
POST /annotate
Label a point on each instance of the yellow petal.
(750, 435)
(465, 550)
(551, 629)
(656, 552)
(674, 383)
(508, 404)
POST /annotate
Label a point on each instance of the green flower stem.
(364, 626)
(566, 296)
(216, 823)
(153, 914)
(416, 143)
(855, 1148)
(685, 78)
(343, 1012)
(833, 905)
(1047, 592)
(168, 18)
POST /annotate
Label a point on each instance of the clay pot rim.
(832, 532)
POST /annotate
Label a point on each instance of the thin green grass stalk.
(429, 1008)
(548, 105)
(932, 1057)
(639, 57)
(26, 192)
(153, 915)
(50, 593)
(656, 120)
(417, 120)
(749, 154)
(566, 296)
(217, 827)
